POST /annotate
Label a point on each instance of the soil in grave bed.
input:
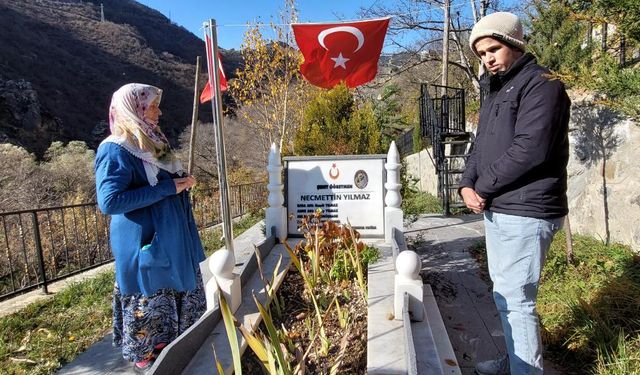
(347, 346)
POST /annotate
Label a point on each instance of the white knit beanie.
(503, 26)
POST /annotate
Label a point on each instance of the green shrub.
(590, 310)
(619, 86)
(414, 201)
(334, 124)
(420, 203)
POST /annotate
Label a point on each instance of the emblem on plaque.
(334, 172)
(361, 179)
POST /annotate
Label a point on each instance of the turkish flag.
(336, 52)
(207, 93)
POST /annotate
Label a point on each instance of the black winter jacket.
(519, 159)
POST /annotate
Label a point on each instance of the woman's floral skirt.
(143, 325)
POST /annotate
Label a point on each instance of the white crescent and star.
(340, 61)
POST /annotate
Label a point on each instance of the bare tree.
(417, 29)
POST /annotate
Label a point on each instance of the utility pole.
(484, 4)
(474, 12)
(445, 45)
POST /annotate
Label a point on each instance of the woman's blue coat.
(154, 238)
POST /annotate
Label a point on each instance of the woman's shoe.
(158, 348)
(143, 366)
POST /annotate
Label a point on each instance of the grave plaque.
(346, 189)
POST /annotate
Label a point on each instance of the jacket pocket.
(152, 255)
(505, 116)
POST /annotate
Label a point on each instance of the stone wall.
(421, 166)
(598, 137)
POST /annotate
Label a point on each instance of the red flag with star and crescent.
(337, 52)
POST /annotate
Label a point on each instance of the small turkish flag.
(207, 94)
(336, 52)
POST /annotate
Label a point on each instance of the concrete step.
(457, 156)
(457, 205)
(427, 359)
(447, 357)
(455, 142)
(385, 340)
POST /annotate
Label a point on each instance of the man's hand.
(184, 183)
(473, 201)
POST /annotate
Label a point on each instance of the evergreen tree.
(557, 38)
(625, 14)
(333, 124)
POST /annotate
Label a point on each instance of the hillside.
(60, 64)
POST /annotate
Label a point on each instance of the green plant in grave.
(268, 348)
(334, 251)
(278, 302)
(343, 315)
(229, 325)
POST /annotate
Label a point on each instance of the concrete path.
(100, 358)
(463, 294)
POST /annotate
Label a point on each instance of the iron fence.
(40, 246)
(442, 120)
(442, 111)
(244, 198)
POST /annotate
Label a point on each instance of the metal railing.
(45, 245)
(40, 246)
(442, 120)
(243, 199)
(442, 110)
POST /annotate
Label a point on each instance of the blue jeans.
(516, 251)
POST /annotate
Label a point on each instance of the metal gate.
(442, 120)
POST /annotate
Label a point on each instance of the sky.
(231, 16)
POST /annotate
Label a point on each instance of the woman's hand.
(473, 201)
(183, 183)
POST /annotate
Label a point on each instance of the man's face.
(496, 55)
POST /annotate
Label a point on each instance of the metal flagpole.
(216, 106)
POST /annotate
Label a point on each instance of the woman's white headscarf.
(128, 106)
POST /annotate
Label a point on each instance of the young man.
(516, 175)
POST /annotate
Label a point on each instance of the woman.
(158, 291)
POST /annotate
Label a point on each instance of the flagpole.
(216, 106)
(194, 118)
